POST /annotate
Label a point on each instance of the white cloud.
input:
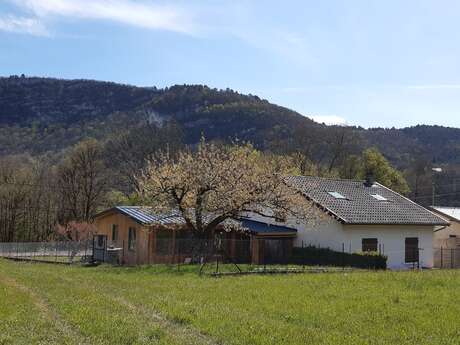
(234, 19)
(330, 119)
(134, 13)
(25, 25)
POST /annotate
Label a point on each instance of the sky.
(370, 63)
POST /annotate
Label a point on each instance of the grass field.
(54, 304)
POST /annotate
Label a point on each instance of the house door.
(411, 250)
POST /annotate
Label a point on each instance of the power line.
(436, 195)
(429, 185)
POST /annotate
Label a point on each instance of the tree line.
(42, 194)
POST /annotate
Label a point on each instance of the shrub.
(326, 257)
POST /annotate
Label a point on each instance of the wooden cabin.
(142, 237)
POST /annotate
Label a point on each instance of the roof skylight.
(337, 195)
(379, 197)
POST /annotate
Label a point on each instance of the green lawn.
(54, 304)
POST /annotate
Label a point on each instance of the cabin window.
(163, 242)
(411, 252)
(114, 232)
(452, 236)
(132, 239)
(369, 244)
(184, 242)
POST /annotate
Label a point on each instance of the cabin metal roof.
(359, 206)
(146, 216)
(452, 213)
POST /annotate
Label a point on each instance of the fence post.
(343, 256)
(263, 257)
(418, 259)
(303, 258)
(442, 258)
(179, 244)
(452, 258)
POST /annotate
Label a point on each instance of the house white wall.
(326, 232)
(391, 239)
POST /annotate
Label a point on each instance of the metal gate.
(99, 247)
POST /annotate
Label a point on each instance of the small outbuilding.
(446, 240)
(448, 236)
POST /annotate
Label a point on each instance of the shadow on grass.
(211, 269)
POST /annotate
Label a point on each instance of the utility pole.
(433, 187)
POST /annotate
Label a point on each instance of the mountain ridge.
(34, 109)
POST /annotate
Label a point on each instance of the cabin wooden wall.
(240, 247)
(138, 256)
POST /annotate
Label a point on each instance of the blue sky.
(369, 63)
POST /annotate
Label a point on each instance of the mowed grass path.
(51, 304)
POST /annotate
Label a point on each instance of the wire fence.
(66, 252)
(239, 255)
(219, 255)
(446, 257)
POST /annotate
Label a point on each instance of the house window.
(369, 244)
(132, 239)
(114, 232)
(411, 252)
(379, 197)
(337, 195)
(163, 242)
(452, 236)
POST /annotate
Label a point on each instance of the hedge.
(326, 257)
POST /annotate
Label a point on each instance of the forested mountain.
(39, 115)
(44, 114)
(47, 116)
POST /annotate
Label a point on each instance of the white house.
(365, 216)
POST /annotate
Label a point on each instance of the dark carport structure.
(270, 243)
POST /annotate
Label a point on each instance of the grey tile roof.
(359, 207)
